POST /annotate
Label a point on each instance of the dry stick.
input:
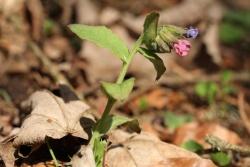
(242, 111)
(51, 67)
(5, 95)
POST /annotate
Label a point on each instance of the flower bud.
(166, 37)
(192, 32)
(182, 47)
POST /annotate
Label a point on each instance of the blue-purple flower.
(192, 32)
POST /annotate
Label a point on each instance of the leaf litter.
(52, 117)
(16, 59)
(140, 150)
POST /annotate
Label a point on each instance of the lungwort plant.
(154, 39)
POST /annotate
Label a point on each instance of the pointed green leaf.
(201, 89)
(118, 91)
(113, 121)
(192, 145)
(150, 28)
(103, 37)
(156, 60)
(221, 158)
(173, 121)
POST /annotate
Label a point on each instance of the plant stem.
(52, 153)
(119, 80)
(121, 76)
(130, 57)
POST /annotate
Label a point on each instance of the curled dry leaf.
(52, 117)
(144, 150)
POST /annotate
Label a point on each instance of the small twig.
(242, 112)
(5, 95)
(52, 153)
(51, 67)
(222, 145)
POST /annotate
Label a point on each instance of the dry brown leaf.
(197, 132)
(87, 12)
(144, 150)
(56, 47)
(109, 15)
(37, 15)
(13, 27)
(8, 116)
(52, 117)
(84, 157)
(158, 98)
(7, 152)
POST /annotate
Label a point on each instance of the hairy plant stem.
(111, 101)
(52, 153)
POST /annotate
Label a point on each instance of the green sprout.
(209, 90)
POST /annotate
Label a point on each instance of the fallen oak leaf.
(52, 117)
(141, 150)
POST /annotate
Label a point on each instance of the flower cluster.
(173, 37)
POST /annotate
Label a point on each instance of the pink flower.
(182, 47)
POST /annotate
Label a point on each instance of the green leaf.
(192, 145)
(226, 77)
(150, 28)
(113, 121)
(212, 91)
(173, 121)
(240, 17)
(230, 33)
(48, 26)
(118, 91)
(221, 158)
(156, 60)
(201, 89)
(143, 104)
(207, 90)
(228, 89)
(99, 150)
(103, 37)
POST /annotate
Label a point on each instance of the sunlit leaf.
(226, 76)
(99, 150)
(201, 89)
(221, 158)
(212, 91)
(118, 91)
(173, 121)
(113, 121)
(192, 145)
(103, 37)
